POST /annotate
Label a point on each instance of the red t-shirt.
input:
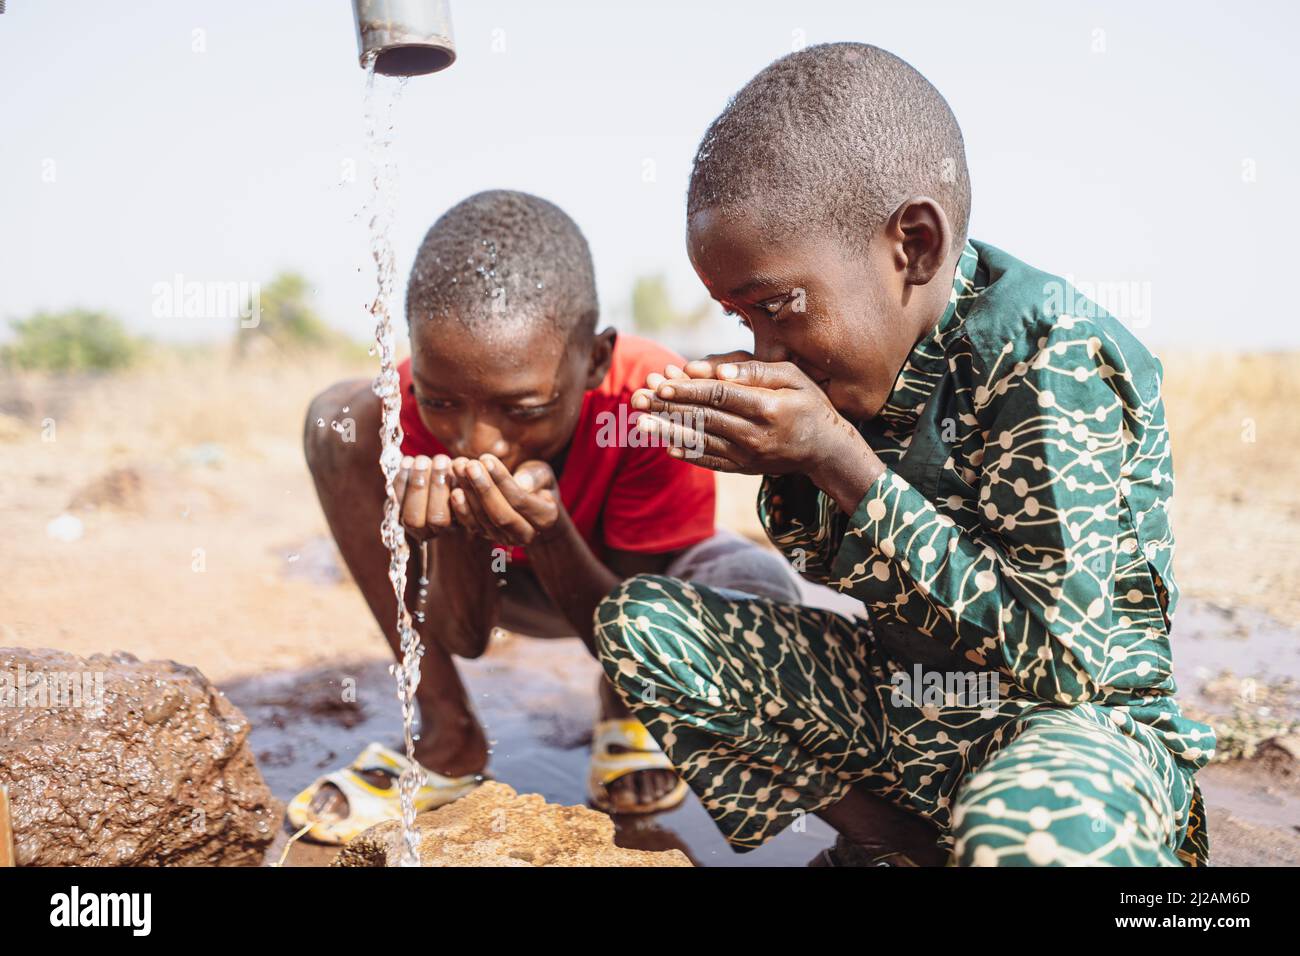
(619, 497)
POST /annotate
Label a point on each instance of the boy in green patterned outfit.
(968, 446)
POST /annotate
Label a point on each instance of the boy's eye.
(434, 404)
(773, 307)
(740, 319)
(528, 412)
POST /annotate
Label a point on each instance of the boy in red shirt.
(526, 490)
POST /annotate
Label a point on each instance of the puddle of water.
(1208, 641)
(537, 702)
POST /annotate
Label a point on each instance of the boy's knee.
(997, 832)
(629, 616)
(653, 647)
(618, 619)
(989, 828)
(1030, 808)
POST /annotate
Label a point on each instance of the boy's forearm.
(848, 468)
(463, 600)
(572, 575)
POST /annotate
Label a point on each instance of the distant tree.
(77, 340)
(286, 318)
(653, 311)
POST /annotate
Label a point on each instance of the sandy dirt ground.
(195, 536)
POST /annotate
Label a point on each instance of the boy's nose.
(483, 439)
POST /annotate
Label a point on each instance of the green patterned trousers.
(771, 711)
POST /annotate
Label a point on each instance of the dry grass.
(1236, 440)
(182, 399)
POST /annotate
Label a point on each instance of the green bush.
(78, 340)
(653, 311)
(286, 318)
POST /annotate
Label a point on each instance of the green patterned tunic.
(1020, 531)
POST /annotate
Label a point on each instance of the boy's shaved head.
(838, 134)
(500, 259)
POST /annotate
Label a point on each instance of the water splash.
(379, 137)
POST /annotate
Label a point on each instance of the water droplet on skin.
(320, 423)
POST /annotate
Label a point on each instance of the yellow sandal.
(367, 803)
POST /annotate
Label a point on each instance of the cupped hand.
(423, 487)
(734, 413)
(510, 509)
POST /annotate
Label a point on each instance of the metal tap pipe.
(405, 37)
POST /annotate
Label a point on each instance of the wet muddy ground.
(536, 698)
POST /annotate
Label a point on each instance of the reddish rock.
(111, 761)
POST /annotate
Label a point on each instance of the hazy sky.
(1149, 147)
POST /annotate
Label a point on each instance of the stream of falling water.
(379, 137)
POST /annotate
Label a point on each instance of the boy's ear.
(602, 354)
(921, 237)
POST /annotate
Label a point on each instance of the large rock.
(113, 762)
(494, 826)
